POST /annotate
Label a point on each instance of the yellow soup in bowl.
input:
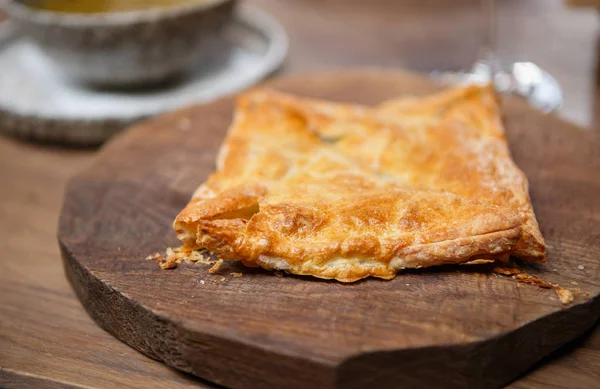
(99, 6)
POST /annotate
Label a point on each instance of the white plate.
(37, 102)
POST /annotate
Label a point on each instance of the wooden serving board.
(446, 327)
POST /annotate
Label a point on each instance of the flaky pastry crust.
(345, 191)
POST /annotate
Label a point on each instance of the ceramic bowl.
(125, 48)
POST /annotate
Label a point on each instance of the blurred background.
(426, 35)
(561, 36)
(54, 338)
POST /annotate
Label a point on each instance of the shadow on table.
(561, 353)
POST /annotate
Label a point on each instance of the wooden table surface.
(47, 339)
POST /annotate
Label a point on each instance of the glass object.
(524, 79)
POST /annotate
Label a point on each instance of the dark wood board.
(447, 327)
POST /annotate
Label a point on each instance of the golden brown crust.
(471, 157)
(345, 192)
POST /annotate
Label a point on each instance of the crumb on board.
(176, 255)
(565, 295)
(506, 271)
(153, 256)
(236, 274)
(202, 282)
(581, 267)
(169, 263)
(119, 248)
(214, 282)
(200, 256)
(222, 279)
(574, 283)
(216, 267)
(279, 273)
(534, 280)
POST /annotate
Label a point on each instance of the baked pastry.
(345, 191)
(471, 156)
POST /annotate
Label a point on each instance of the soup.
(98, 6)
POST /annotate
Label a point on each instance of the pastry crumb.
(581, 267)
(169, 263)
(279, 273)
(236, 275)
(175, 255)
(153, 256)
(574, 283)
(119, 249)
(534, 280)
(506, 271)
(199, 257)
(202, 282)
(216, 267)
(222, 279)
(565, 295)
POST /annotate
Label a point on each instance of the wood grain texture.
(445, 327)
(45, 335)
